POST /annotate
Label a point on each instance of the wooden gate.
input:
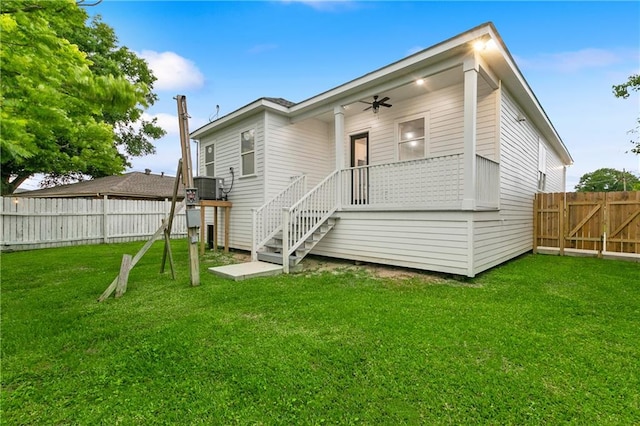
(588, 221)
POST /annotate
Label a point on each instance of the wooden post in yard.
(536, 207)
(123, 277)
(167, 232)
(187, 180)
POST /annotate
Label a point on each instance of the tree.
(622, 91)
(607, 180)
(70, 99)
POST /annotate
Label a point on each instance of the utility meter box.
(209, 188)
(193, 218)
(191, 196)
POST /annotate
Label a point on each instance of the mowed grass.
(539, 340)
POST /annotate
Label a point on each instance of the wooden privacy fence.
(29, 223)
(604, 222)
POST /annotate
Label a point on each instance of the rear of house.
(431, 163)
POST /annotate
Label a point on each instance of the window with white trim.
(247, 152)
(542, 166)
(411, 139)
(210, 160)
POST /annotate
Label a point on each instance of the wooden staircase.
(271, 252)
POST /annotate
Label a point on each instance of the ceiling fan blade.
(367, 108)
(383, 100)
(365, 102)
(386, 105)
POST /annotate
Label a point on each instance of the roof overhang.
(496, 64)
(259, 105)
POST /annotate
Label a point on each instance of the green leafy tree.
(623, 91)
(70, 99)
(607, 180)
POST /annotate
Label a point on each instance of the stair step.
(272, 251)
(277, 258)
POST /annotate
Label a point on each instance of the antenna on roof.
(215, 115)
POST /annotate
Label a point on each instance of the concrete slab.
(243, 271)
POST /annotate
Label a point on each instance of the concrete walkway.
(242, 271)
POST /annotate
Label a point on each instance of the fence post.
(105, 217)
(536, 201)
(563, 217)
(1, 220)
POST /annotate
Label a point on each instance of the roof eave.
(261, 104)
(445, 50)
(516, 82)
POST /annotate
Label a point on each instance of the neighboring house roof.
(135, 185)
(499, 61)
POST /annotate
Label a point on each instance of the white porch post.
(338, 118)
(470, 122)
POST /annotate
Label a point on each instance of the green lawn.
(540, 340)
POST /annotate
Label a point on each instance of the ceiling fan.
(376, 104)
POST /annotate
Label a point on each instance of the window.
(247, 152)
(542, 166)
(411, 140)
(209, 160)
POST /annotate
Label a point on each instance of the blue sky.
(231, 53)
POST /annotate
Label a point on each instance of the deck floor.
(243, 271)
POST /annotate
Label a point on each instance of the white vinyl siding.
(442, 109)
(247, 193)
(555, 173)
(305, 148)
(487, 135)
(433, 241)
(497, 239)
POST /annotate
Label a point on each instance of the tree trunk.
(9, 186)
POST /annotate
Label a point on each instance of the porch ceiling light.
(481, 45)
(420, 81)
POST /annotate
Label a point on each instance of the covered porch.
(297, 218)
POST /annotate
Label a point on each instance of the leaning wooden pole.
(167, 232)
(187, 180)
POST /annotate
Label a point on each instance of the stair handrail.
(267, 219)
(304, 217)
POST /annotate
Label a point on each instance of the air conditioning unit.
(209, 188)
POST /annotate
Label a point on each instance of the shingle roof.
(129, 185)
(281, 101)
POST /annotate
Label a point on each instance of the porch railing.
(435, 182)
(267, 219)
(487, 182)
(303, 218)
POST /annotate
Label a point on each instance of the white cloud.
(173, 71)
(573, 61)
(167, 121)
